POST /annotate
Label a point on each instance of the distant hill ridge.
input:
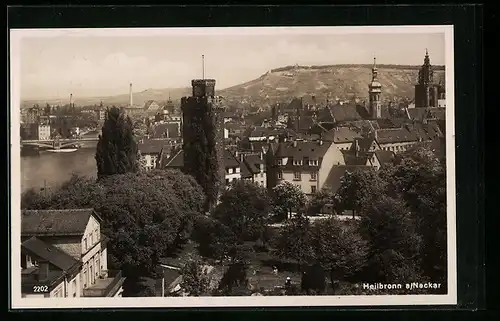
(281, 84)
(411, 67)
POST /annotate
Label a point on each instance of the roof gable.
(48, 252)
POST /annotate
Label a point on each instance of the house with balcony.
(77, 233)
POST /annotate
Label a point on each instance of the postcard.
(232, 167)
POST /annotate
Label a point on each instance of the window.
(85, 244)
(313, 189)
(297, 176)
(97, 236)
(313, 162)
(297, 162)
(280, 162)
(280, 175)
(230, 170)
(91, 239)
(261, 175)
(314, 176)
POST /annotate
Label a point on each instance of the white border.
(247, 301)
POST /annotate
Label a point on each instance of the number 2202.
(40, 288)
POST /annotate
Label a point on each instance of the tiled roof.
(303, 149)
(419, 113)
(333, 180)
(384, 156)
(230, 160)
(253, 163)
(245, 170)
(176, 161)
(55, 222)
(398, 135)
(167, 130)
(365, 143)
(345, 112)
(153, 146)
(351, 159)
(342, 135)
(50, 253)
(148, 104)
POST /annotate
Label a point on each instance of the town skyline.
(90, 66)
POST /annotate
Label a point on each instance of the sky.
(104, 64)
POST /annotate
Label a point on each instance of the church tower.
(426, 92)
(374, 93)
(203, 138)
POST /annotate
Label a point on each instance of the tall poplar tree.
(116, 149)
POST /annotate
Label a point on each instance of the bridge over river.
(57, 143)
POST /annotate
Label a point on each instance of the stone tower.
(426, 92)
(203, 136)
(374, 93)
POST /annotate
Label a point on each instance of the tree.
(244, 208)
(358, 187)
(419, 178)
(319, 200)
(144, 215)
(394, 242)
(288, 197)
(295, 240)
(339, 248)
(234, 282)
(271, 169)
(200, 149)
(214, 238)
(195, 279)
(116, 149)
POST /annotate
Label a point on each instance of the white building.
(75, 233)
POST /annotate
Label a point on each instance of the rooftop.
(50, 253)
(333, 180)
(55, 222)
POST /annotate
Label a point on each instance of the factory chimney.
(130, 96)
(70, 100)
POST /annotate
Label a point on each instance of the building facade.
(77, 233)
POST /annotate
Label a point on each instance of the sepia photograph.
(236, 166)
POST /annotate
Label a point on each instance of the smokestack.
(130, 96)
(70, 100)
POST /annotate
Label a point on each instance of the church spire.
(374, 69)
(427, 61)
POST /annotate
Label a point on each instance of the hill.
(343, 81)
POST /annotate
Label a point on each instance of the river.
(53, 169)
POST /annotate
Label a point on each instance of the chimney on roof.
(242, 157)
(356, 148)
(294, 143)
(43, 270)
(320, 141)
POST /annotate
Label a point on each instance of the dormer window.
(313, 162)
(280, 162)
(297, 162)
